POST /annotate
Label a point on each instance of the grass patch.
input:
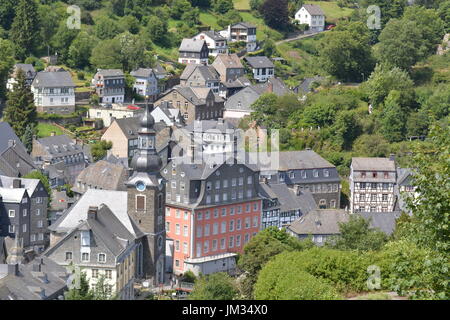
(242, 4)
(46, 129)
(375, 296)
(332, 10)
(208, 19)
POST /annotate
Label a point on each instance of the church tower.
(146, 202)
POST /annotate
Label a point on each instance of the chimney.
(92, 213)
(16, 183)
(53, 133)
(11, 143)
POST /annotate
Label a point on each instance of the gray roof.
(240, 82)
(259, 62)
(159, 70)
(196, 95)
(15, 162)
(373, 164)
(288, 199)
(142, 73)
(62, 145)
(320, 221)
(12, 195)
(39, 279)
(28, 69)
(314, 9)
(213, 35)
(204, 125)
(305, 85)
(116, 200)
(7, 133)
(385, 221)
(305, 159)
(192, 45)
(29, 184)
(243, 25)
(110, 72)
(208, 72)
(59, 79)
(404, 176)
(230, 60)
(102, 175)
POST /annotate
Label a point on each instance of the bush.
(80, 75)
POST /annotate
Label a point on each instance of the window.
(199, 216)
(33, 238)
(177, 229)
(255, 222)
(206, 230)
(108, 274)
(185, 231)
(199, 231)
(362, 185)
(185, 247)
(85, 257)
(215, 228)
(186, 215)
(386, 175)
(326, 173)
(167, 226)
(206, 247)
(385, 186)
(231, 242)
(373, 186)
(208, 186)
(222, 243)
(177, 245)
(363, 174)
(24, 228)
(231, 227)
(238, 240)
(303, 174)
(247, 223)
(24, 212)
(373, 197)
(333, 203)
(11, 213)
(177, 213)
(214, 245)
(69, 255)
(255, 207)
(385, 197)
(217, 184)
(247, 207)
(94, 273)
(216, 213)
(40, 236)
(11, 229)
(249, 179)
(238, 224)
(223, 227)
(38, 212)
(224, 212)
(140, 203)
(315, 173)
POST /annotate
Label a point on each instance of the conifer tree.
(20, 111)
(27, 138)
(25, 28)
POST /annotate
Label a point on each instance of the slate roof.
(12, 195)
(103, 175)
(240, 82)
(305, 85)
(287, 198)
(28, 69)
(192, 45)
(204, 125)
(46, 79)
(320, 221)
(159, 70)
(110, 73)
(142, 73)
(314, 9)
(259, 62)
(15, 162)
(305, 159)
(29, 184)
(404, 176)
(60, 146)
(116, 200)
(196, 95)
(243, 25)
(373, 164)
(230, 60)
(213, 35)
(385, 221)
(40, 279)
(7, 133)
(207, 72)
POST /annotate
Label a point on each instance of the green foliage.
(20, 110)
(275, 13)
(393, 118)
(356, 234)
(157, 29)
(189, 276)
(6, 64)
(82, 293)
(217, 286)
(222, 6)
(100, 149)
(106, 28)
(80, 50)
(27, 138)
(25, 28)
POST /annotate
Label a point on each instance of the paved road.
(298, 37)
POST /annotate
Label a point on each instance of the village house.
(212, 211)
(146, 83)
(55, 149)
(215, 42)
(23, 211)
(54, 92)
(372, 185)
(193, 51)
(169, 116)
(229, 67)
(28, 69)
(195, 103)
(124, 135)
(313, 16)
(195, 75)
(262, 67)
(241, 31)
(116, 111)
(109, 85)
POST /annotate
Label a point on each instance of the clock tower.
(146, 202)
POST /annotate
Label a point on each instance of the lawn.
(45, 130)
(332, 10)
(209, 19)
(242, 4)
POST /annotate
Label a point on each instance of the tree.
(80, 50)
(346, 129)
(191, 17)
(81, 293)
(269, 47)
(100, 149)
(444, 14)
(393, 118)
(179, 7)
(217, 286)
(231, 17)
(157, 29)
(222, 6)
(25, 28)
(62, 40)
(107, 55)
(371, 145)
(345, 52)
(20, 110)
(439, 102)
(6, 64)
(106, 28)
(27, 138)
(7, 13)
(275, 13)
(48, 22)
(431, 209)
(383, 80)
(356, 234)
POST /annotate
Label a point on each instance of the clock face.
(140, 186)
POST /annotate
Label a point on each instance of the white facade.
(239, 34)
(109, 114)
(146, 86)
(215, 46)
(315, 22)
(61, 98)
(211, 264)
(174, 118)
(263, 74)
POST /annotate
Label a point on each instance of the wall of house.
(118, 139)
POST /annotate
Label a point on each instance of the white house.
(262, 67)
(241, 31)
(170, 116)
(313, 16)
(54, 92)
(117, 111)
(215, 42)
(193, 51)
(146, 83)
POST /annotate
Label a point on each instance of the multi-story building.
(216, 43)
(313, 16)
(109, 85)
(262, 68)
(306, 171)
(241, 31)
(193, 51)
(212, 211)
(100, 246)
(195, 103)
(195, 75)
(372, 185)
(54, 92)
(54, 149)
(23, 211)
(229, 67)
(146, 83)
(116, 111)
